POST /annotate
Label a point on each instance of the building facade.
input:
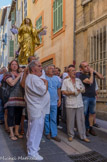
(57, 45)
(91, 28)
(5, 36)
(13, 42)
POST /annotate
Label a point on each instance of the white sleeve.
(37, 87)
(43, 75)
(64, 88)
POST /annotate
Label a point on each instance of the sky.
(5, 3)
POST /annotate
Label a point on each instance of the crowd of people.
(44, 93)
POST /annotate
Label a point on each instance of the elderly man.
(55, 100)
(72, 88)
(38, 104)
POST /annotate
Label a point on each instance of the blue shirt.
(53, 85)
(1, 77)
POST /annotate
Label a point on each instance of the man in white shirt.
(38, 104)
(72, 88)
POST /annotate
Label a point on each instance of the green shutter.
(60, 14)
(13, 17)
(11, 49)
(57, 15)
(39, 26)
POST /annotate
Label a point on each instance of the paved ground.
(16, 150)
(98, 143)
(50, 150)
(102, 123)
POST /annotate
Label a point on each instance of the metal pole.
(74, 28)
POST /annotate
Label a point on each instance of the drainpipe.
(74, 28)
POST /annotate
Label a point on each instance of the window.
(39, 26)
(47, 63)
(57, 15)
(58, 18)
(25, 8)
(13, 17)
(11, 49)
(39, 23)
(84, 2)
(49, 60)
(98, 56)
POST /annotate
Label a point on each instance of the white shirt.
(36, 96)
(43, 74)
(73, 101)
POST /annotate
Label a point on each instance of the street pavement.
(16, 150)
(53, 151)
(98, 143)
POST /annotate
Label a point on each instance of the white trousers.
(34, 135)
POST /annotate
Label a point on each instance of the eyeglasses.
(39, 65)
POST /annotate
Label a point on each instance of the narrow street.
(53, 70)
(53, 151)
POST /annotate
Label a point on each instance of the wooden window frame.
(13, 15)
(52, 56)
(63, 26)
(40, 15)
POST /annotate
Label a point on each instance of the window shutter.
(60, 14)
(53, 16)
(13, 18)
(57, 15)
(11, 54)
(39, 26)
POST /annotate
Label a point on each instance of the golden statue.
(28, 37)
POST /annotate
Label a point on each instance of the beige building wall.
(89, 18)
(59, 48)
(91, 23)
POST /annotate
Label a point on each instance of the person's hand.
(71, 93)
(91, 70)
(45, 81)
(20, 74)
(77, 91)
(26, 71)
(59, 103)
